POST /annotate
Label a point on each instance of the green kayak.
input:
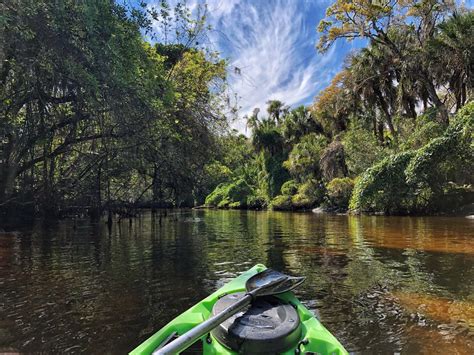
(274, 324)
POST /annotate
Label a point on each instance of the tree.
(380, 21)
(456, 37)
(94, 115)
(373, 75)
(276, 109)
(303, 160)
(334, 104)
(298, 123)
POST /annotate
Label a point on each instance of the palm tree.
(298, 123)
(453, 51)
(373, 81)
(276, 110)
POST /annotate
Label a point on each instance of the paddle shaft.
(189, 338)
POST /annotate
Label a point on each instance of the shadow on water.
(380, 284)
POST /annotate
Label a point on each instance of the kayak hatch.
(273, 324)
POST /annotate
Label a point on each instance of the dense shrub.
(254, 201)
(303, 160)
(339, 192)
(438, 161)
(289, 188)
(281, 202)
(303, 196)
(230, 195)
(217, 195)
(426, 180)
(422, 131)
(383, 188)
(309, 194)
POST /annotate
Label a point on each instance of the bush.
(426, 180)
(445, 160)
(230, 195)
(289, 188)
(339, 192)
(382, 188)
(303, 161)
(309, 194)
(281, 202)
(255, 202)
(425, 129)
(217, 195)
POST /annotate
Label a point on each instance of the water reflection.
(380, 284)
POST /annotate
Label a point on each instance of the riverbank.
(462, 211)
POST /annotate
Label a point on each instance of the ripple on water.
(380, 284)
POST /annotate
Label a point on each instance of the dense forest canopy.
(101, 111)
(393, 131)
(93, 115)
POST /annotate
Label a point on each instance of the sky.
(272, 43)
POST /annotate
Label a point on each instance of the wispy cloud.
(270, 46)
(271, 49)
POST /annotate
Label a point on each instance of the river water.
(379, 284)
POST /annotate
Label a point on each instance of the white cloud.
(272, 45)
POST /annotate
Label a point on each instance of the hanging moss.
(333, 161)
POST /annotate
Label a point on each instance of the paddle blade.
(271, 282)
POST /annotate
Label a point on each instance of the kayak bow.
(275, 324)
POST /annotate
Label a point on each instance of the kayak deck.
(316, 337)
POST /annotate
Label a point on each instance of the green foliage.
(383, 188)
(267, 137)
(298, 123)
(303, 196)
(420, 180)
(339, 192)
(230, 195)
(281, 202)
(303, 160)
(95, 116)
(289, 188)
(445, 159)
(424, 129)
(362, 149)
(310, 194)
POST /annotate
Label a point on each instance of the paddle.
(266, 283)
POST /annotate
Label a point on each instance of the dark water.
(380, 284)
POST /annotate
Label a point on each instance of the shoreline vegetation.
(108, 108)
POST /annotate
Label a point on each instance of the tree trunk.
(430, 88)
(388, 116)
(8, 168)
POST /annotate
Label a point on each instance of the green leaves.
(416, 181)
(95, 114)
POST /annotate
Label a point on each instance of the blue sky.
(272, 42)
(273, 45)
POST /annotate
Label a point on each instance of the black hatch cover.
(268, 326)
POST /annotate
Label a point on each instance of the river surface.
(381, 285)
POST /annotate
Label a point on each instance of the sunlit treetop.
(373, 19)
